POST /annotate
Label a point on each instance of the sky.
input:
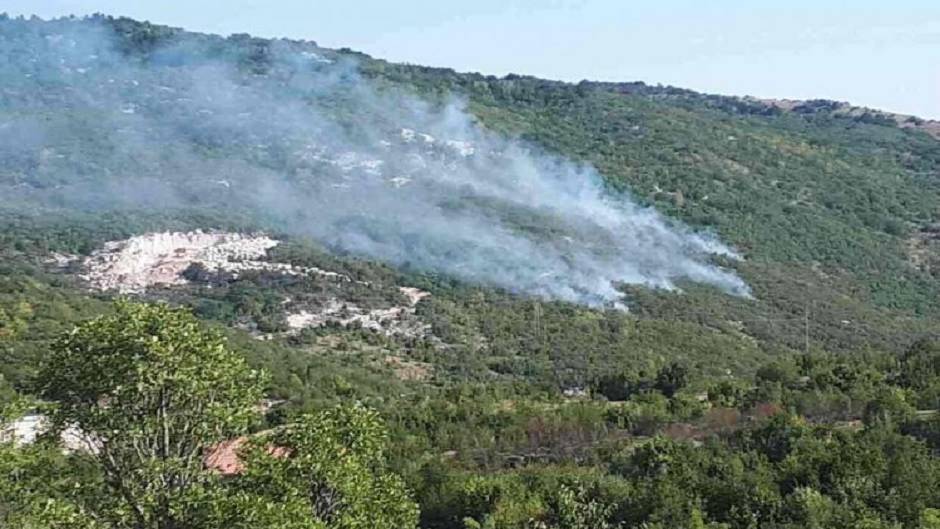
(875, 53)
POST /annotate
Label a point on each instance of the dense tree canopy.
(326, 470)
(149, 390)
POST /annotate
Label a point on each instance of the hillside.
(512, 271)
(832, 211)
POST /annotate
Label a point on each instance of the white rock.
(135, 264)
(463, 148)
(397, 320)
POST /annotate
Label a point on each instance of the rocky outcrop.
(399, 320)
(132, 265)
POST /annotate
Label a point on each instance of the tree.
(889, 408)
(34, 484)
(574, 508)
(14, 321)
(777, 436)
(809, 508)
(672, 378)
(617, 387)
(324, 471)
(930, 519)
(8, 396)
(919, 370)
(150, 389)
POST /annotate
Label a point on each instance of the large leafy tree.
(150, 389)
(325, 471)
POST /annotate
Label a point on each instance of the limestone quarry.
(134, 265)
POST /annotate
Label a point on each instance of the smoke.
(362, 166)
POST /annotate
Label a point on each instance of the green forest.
(813, 403)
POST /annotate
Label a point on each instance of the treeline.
(809, 441)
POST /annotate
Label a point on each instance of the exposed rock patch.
(27, 429)
(134, 265)
(408, 370)
(923, 249)
(131, 266)
(398, 320)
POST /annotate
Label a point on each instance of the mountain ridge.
(708, 160)
(802, 106)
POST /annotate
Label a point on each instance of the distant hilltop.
(843, 108)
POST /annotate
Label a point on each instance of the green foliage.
(150, 389)
(930, 519)
(672, 378)
(323, 471)
(575, 509)
(13, 323)
(888, 408)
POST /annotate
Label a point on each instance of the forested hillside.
(626, 305)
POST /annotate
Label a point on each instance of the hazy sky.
(877, 53)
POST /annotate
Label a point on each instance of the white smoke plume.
(318, 150)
